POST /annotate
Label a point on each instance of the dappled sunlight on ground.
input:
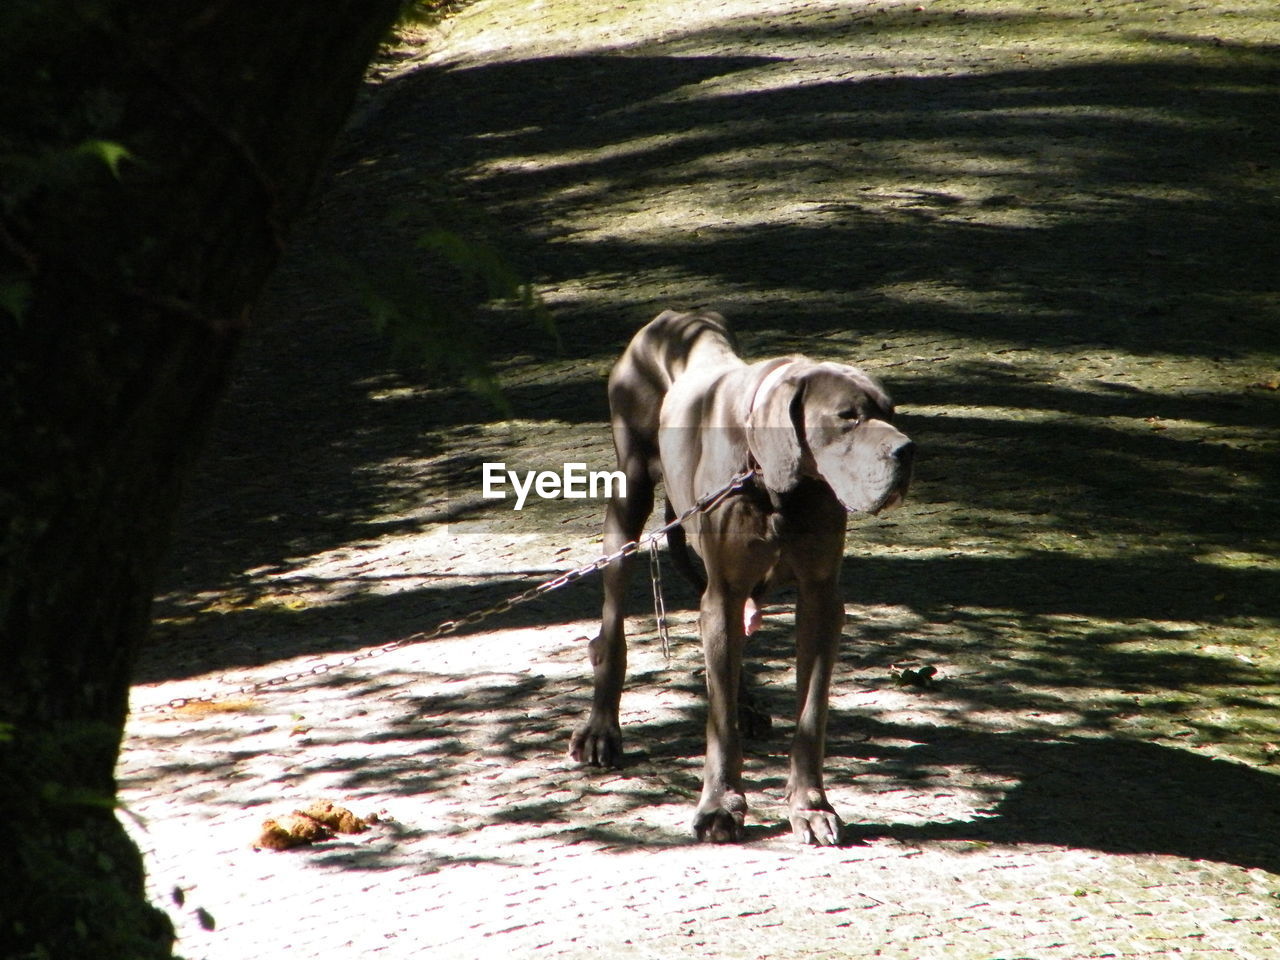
(1050, 232)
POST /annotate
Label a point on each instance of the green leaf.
(108, 151)
(425, 324)
(486, 266)
(62, 795)
(15, 297)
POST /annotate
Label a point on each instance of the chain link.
(449, 627)
(659, 602)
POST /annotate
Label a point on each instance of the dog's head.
(831, 421)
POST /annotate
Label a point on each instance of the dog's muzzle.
(897, 458)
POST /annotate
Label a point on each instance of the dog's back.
(659, 353)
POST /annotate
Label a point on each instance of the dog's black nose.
(904, 452)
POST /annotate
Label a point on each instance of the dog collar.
(767, 383)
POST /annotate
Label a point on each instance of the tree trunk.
(151, 157)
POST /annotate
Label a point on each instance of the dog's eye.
(852, 415)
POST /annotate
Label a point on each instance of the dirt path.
(1051, 229)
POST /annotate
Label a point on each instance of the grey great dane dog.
(687, 410)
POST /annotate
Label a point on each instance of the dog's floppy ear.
(774, 430)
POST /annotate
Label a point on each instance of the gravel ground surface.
(1050, 228)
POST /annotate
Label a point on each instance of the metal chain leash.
(659, 601)
(449, 627)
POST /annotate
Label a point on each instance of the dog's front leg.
(819, 620)
(598, 741)
(723, 807)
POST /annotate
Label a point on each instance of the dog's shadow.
(1106, 794)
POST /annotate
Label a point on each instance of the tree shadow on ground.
(1142, 587)
(1150, 230)
(1107, 794)
(1132, 201)
(1151, 235)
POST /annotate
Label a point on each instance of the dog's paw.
(818, 828)
(718, 826)
(597, 743)
(720, 820)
